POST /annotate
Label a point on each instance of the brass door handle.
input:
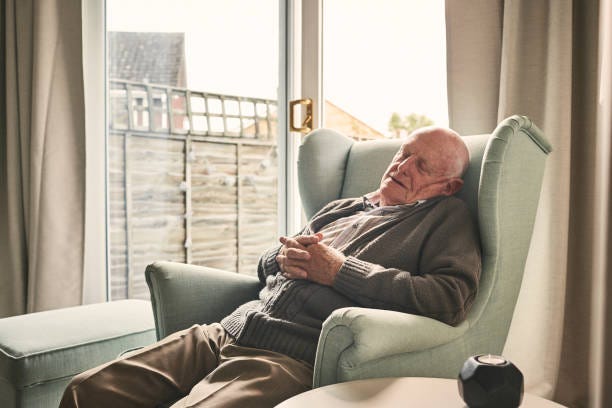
(307, 122)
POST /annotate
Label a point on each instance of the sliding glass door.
(194, 160)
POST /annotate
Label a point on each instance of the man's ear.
(452, 186)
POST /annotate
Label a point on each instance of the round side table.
(394, 392)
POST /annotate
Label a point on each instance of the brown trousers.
(199, 367)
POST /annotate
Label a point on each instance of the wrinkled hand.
(295, 249)
(304, 257)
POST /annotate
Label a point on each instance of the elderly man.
(409, 246)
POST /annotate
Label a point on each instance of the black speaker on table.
(488, 381)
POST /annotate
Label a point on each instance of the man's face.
(420, 170)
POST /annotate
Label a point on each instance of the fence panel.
(192, 177)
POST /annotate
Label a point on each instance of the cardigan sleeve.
(267, 264)
(445, 284)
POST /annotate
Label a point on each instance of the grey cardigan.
(426, 261)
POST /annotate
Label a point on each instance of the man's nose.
(404, 165)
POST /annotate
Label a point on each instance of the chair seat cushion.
(46, 346)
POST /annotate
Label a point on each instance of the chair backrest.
(501, 188)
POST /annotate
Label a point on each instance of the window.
(192, 139)
(384, 66)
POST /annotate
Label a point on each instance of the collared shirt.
(342, 231)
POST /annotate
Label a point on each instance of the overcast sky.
(380, 56)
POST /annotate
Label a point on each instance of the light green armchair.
(502, 187)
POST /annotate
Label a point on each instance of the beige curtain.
(540, 58)
(42, 156)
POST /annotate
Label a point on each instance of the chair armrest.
(353, 336)
(183, 295)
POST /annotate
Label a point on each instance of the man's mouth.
(397, 181)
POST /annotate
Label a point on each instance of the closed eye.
(422, 167)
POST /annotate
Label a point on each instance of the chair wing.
(321, 168)
(501, 188)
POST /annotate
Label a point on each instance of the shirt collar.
(368, 205)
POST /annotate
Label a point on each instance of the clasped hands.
(305, 257)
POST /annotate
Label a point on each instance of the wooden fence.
(192, 177)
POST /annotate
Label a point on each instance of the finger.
(302, 239)
(295, 253)
(308, 239)
(300, 263)
(292, 243)
(280, 260)
(283, 239)
(295, 272)
(284, 263)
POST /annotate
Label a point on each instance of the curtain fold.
(552, 67)
(42, 149)
(604, 131)
(574, 386)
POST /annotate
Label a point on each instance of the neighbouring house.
(159, 58)
(342, 121)
(156, 58)
(147, 58)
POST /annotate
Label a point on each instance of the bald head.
(429, 163)
(451, 151)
